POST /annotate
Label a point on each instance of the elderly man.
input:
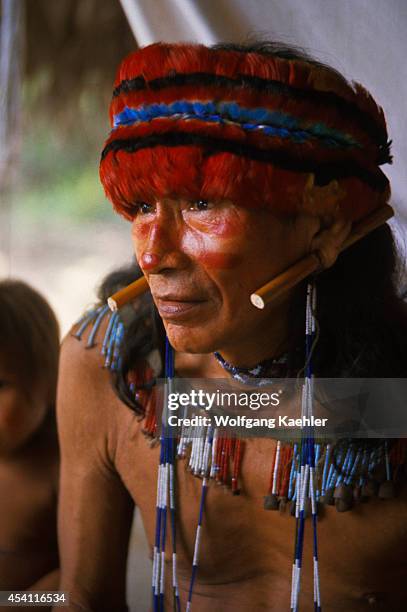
(233, 163)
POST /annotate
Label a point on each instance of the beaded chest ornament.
(304, 473)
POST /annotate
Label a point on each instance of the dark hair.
(274, 48)
(144, 330)
(362, 318)
(29, 335)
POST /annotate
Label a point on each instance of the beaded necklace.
(258, 375)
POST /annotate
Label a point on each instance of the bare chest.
(28, 508)
(242, 541)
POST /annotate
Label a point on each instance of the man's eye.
(201, 205)
(144, 208)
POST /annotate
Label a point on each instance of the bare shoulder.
(88, 410)
(83, 348)
(94, 500)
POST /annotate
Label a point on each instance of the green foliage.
(74, 194)
(59, 158)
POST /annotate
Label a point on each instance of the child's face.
(22, 409)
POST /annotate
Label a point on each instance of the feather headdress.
(208, 123)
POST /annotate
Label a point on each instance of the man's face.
(202, 261)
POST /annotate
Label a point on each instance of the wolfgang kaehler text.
(204, 400)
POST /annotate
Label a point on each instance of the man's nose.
(163, 248)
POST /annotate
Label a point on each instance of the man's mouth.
(177, 307)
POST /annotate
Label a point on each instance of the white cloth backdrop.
(365, 39)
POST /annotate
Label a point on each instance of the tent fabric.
(363, 39)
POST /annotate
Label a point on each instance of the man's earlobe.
(327, 243)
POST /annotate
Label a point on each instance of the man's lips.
(174, 306)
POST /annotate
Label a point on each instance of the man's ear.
(323, 202)
(328, 241)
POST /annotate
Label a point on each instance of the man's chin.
(191, 339)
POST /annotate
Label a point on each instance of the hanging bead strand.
(165, 491)
(206, 470)
(306, 475)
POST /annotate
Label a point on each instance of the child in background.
(29, 457)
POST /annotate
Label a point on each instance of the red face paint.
(149, 261)
(228, 228)
(140, 231)
(151, 231)
(225, 224)
(219, 261)
(202, 238)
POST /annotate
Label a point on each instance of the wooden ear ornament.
(312, 263)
